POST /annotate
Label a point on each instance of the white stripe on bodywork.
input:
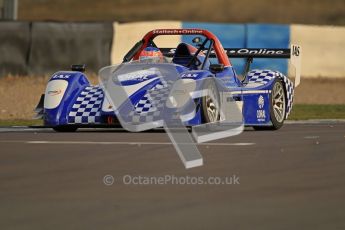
(131, 89)
(251, 92)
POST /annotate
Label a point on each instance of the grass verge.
(299, 112)
(306, 112)
(20, 122)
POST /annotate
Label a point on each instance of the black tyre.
(210, 104)
(277, 107)
(65, 128)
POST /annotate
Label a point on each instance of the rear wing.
(294, 54)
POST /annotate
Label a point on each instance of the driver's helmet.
(151, 54)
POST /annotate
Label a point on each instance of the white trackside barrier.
(126, 35)
(323, 49)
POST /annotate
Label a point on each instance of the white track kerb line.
(171, 104)
(135, 143)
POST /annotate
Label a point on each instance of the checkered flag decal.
(149, 107)
(87, 107)
(265, 76)
(260, 76)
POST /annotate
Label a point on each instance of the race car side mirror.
(197, 40)
(216, 68)
(79, 68)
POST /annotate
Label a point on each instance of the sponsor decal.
(54, 92)
(189, 75)
(261, 113)
(295, 50)
(61, 76)
(245, 52)
(261, 102)
(178, 31)
(256, 51)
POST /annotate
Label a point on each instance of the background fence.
(44, 47)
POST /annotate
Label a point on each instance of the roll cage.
(214, 43)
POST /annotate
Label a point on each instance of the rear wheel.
(277, 107)
(210, 103)
(65, 128)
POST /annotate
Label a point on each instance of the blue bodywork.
(79, 84)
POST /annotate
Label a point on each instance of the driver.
(151, 54)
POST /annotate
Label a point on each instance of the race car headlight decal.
(54, 93)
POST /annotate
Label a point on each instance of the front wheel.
(277, 107)
(210, 104)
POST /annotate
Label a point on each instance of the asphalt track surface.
(288, 179)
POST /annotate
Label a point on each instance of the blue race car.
(264, 97)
